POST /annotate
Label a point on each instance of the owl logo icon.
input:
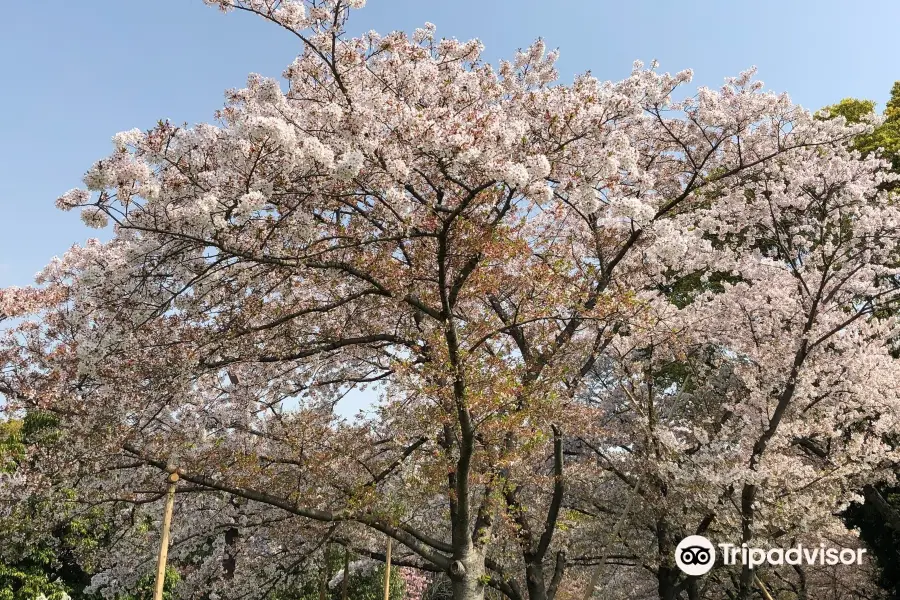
(695, 555)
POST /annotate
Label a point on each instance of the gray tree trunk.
(466, 574)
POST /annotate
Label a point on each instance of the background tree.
(886, 133)
(37, 557)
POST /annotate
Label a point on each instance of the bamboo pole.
(762, 588)
(164, 541)
(387, 573)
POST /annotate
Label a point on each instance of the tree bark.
(534, 581)
(345, 582)
(666, 578)
(883, 507)
(667, 575)
(466, 575)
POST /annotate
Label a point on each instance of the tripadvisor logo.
(695, 555)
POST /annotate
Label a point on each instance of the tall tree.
(496, 253)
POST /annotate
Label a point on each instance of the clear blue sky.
(77, 72)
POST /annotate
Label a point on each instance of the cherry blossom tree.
(573, 299)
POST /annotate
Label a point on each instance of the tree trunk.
(229, 562)
(801, 574)
(466, 575)
(534, 580)
(748, 495)
(666, 581)
(693, 588)
(667, 576)
(345, 583)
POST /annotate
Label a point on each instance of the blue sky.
(78, 72)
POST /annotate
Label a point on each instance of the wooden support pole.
(164, 541)
(762, 588)
(387, 573)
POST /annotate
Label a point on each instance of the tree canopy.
(599, 320)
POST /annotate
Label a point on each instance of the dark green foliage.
(681, 292)
(882, 541)
(11, 448)
(25, 581)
